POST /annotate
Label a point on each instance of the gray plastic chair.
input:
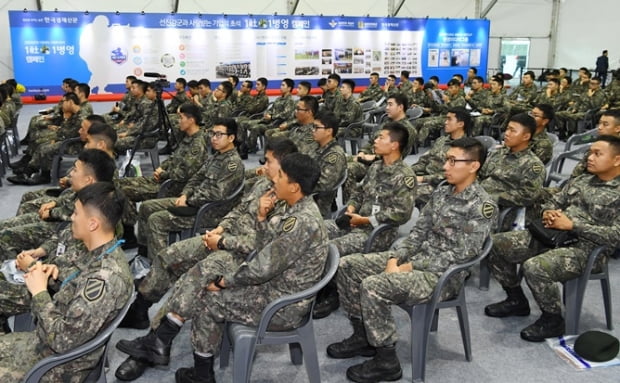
(302, 345)
(575, 289)
(100, 340)
(488, 142)
(582, 138)
(335, 189)
(376, 232)
(557, 164)
(424, 316)
(485, 274)
(58, 157)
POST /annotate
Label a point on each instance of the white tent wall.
(584, 28)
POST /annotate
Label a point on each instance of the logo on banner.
(333, 23)
(118, 56)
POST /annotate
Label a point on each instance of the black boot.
(138, 314)
(155, 346)
(327, 301)
(131, 369)
(21, 163)
(39, 178)
(383, 367)
(547, 326)
(355, 345)
(515, 304)
(129, 236)
(202, 372)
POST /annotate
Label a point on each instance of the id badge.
(375, 209)
(60, 250)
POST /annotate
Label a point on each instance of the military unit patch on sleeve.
(93, 289)
(488, 209)
(537, 168)
(289, 224)
(331, 158)
(232, 166)
(410, 182)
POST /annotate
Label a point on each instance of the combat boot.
(547, 326)
(202, 372)
(327, 301)
(131, 369)
(355, 345)
(383, 367)
(155, 346)
(515, 304)
(138, 315)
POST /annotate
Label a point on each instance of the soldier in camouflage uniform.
(588, 207)
(146, 120)
(301, 131)
(219, 107)
(419, 98)
(613, 92)
(357, 166)
(477, 97)
(429, 168)
(405, 85)
(592, 100)
(291, 257)
(541, 144)
(282, 110)
(88, 300)
(451, 230)
(244, 97)
(184, 162)
(44, 143)
(385, 196)
(236, 234)
(331, 159)
(513, 175)
(431, 126)
(551, 95)
(523, 96)
(121, 108)
(30, 230)
(179, 98)
(347, 110)
(332, 96)
(217, 179)
(253, 112)
(373, 92)
(493, 109)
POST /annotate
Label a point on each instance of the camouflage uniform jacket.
(455, 102)
(292, 252)
(385, 194)
(373, 92)
(302, 136)
(240, 223)
(348, 111)
(513, 179)
(419, 98)
(217, 178)
(593, 205)
(556, 100)
(613, 94)
(216, 109)
(369, 147)
(177, 100)
(405, 88)
(86, 108)
(430, 165)
(331, 99)
(185, 161)
(242, 102)
(451, 229)
(257, 104)
(149, 117)
(64, 206)
(69, 128)
(478, 99)
(524, 94)
(83, 306)
(283, 109)
(333, 163)
(594, 102)
(126, 103)
(542, 146)
(496, 102)
(134, 112)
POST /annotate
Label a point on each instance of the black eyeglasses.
(217, 134)
(301, 109)
(452, 161)
(315, 127)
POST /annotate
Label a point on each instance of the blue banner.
(102, 48)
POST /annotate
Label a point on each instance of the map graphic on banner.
(102, 48)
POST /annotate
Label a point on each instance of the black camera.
(161, 83)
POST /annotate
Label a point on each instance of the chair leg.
(419, 341)
(461, 311)
(310, 358)
(485, 275)
(605, 287)
(296, 352)
(225, 349)
(243, 355)
(572, 306)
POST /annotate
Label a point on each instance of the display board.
(102, 48)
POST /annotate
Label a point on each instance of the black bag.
(551, 238)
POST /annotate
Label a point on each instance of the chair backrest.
(553, 137)
(43, 366)
(211, 205)
(414, 112)
(487, 141)
(331, 266)
(557, 163)
(581, 138)
(368, 105)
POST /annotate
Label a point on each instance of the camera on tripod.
(160, 84)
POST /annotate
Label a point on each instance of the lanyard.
(73, 275)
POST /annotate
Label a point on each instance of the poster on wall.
(102, 48)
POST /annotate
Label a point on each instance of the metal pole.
(553, 33)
